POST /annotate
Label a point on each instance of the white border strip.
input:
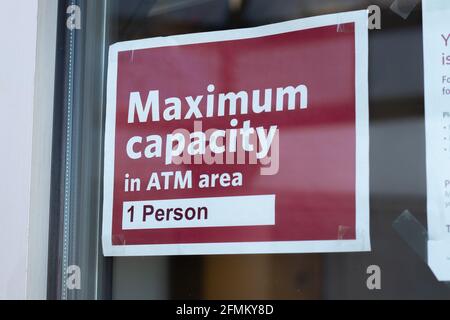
(362, 241)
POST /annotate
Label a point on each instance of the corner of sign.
(439, 259)
(114, 49)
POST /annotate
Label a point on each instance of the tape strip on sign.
(436, 44)
(240, 141)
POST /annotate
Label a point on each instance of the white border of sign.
(435, 21)
(362, 241)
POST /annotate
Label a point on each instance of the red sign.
(242, 141)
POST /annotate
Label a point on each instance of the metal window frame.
(77, 153)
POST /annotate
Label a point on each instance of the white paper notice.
(436, 41)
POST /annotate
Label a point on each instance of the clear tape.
(342, 232)
(413, 233)
(404, 7)
(345, 27)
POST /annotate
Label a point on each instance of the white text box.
(199, 212)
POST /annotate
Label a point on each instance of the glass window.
(397, 163)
